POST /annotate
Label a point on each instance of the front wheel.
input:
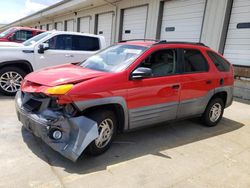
(107, 124)
(10, 80)
(213, 112)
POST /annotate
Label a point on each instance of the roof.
(28, 28)
(74, 33)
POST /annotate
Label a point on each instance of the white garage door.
(43, 27)
(84, 25)
(49, 27)
(182, 20)
(134, 23)
(237, 48)
(59, 26)
(69, 25)
(104, 26)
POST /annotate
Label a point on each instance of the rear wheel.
(107, 124)
(10, 80)
(213, 112)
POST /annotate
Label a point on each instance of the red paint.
(91, 84)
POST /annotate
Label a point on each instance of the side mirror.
(43, 47)
(140, 73)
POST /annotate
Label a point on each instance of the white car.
(10, 44)
(46, 49)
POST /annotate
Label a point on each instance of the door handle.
(177, 86)
(69, 55)
(208, 81)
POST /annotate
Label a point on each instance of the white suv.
(47, 49)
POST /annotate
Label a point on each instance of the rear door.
(197, 83)
(155, 99)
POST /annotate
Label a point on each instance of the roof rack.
(180, 42)
(154, 40)
(157, 41)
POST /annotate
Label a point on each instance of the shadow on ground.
(133, 144)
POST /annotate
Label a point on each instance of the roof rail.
(180, 42)
(154, 40)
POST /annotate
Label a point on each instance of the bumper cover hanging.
(77, 132)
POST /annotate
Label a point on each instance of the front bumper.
(77, 132)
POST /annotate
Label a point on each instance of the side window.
(194, 61)
(162, 62)
(85, 43)
(220, 63)
(23, 35)
(60, 42)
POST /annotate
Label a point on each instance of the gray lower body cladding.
(77, 132)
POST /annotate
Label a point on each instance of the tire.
(10, 80)
(103, 118)
(213, 113)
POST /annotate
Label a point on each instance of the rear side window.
(23, 35)
(194, 61)
(220, 63)
(85, 43)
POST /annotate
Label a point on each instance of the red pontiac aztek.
(77, 107)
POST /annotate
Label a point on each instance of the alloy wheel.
(11, 81)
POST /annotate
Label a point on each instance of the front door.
(155, 99)
(59, 52)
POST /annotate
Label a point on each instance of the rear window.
(194, 61)
(221, 64)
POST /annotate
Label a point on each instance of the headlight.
(59, 90)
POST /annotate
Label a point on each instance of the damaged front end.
(63, 131)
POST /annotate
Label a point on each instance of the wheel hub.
(11, 81)
(105, 130)
(215, 112)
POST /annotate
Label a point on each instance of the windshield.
(35, 39)
(3, 34)
(114, 59)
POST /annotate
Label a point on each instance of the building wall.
(212, 26)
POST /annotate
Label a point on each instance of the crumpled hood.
(64, 74)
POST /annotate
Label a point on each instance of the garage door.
(182, 20)
(43, 27)
(237, 48)
(69, 25)
(49, 27)
(84, 25)
(134, 23)
(59, 26)
(104, 26)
